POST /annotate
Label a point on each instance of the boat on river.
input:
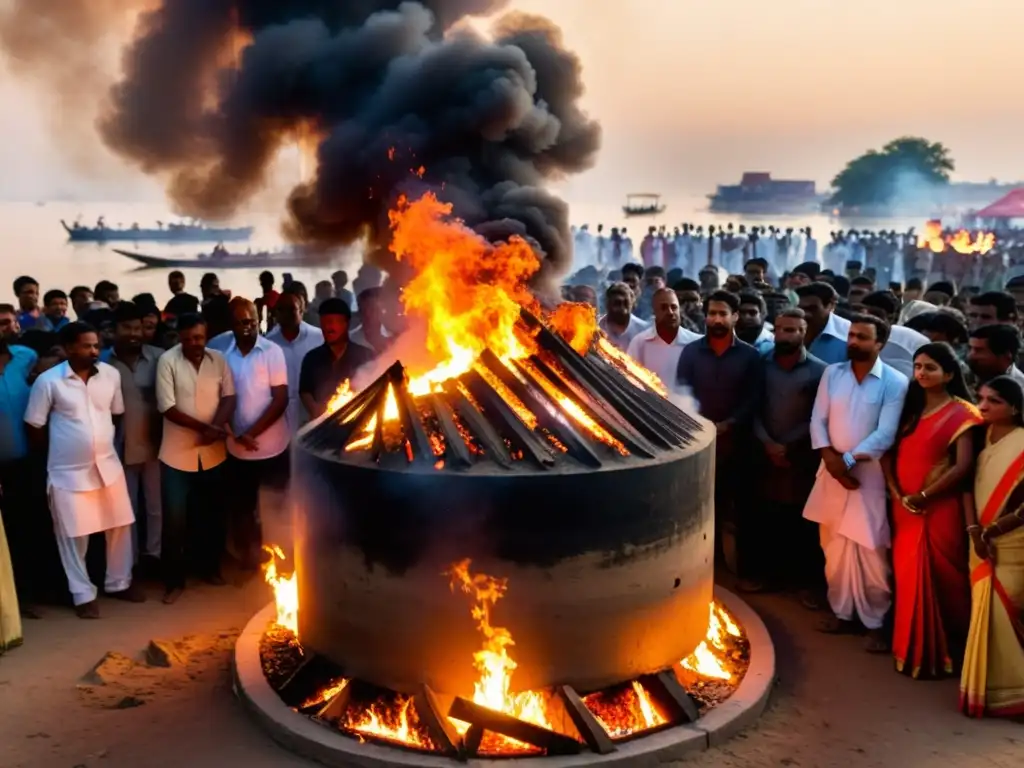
(643, 204)
(168, 233)
(223, 259)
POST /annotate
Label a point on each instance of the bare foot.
(171, 595)
(134, 594)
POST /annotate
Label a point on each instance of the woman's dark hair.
(1010, 390)
(913, 406)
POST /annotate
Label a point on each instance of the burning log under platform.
(565, 473)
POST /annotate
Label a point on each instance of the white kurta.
(856, 418)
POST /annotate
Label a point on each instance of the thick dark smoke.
(213, 88)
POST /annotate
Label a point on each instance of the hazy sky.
(693, 92)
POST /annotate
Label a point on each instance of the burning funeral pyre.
(514, 451)
(937, 240)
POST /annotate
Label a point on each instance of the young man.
(79, 400)
(268, 299)
(903, 342)
(258, 443)
(856, 415)
(196, 395)
(826, 332)
(788, 552)
(992, 308)
(992, 352)
(752, 326)
(620, 325)
(26, 289)
(336, 361)
(371, 332)
(340, 281)
(724, 375)
(296, 339)
(141, 429)
(81, 298)
(658, 347)
(181, 303)
(55, 311)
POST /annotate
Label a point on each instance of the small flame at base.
(708, 658)
(286, 592)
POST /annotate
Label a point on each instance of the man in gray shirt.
(788, 553)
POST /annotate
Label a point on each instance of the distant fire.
(961, 241)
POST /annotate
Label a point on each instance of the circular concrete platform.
(303, 736)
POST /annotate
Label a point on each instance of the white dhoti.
(77, 515)
(855, 538)
(858, 579)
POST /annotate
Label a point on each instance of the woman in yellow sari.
(992, 683)
(10, 618)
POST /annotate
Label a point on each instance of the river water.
(35, 243)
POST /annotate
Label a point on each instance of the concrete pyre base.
(301, 735)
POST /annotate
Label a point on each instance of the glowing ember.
(493, 662)
(388, 721)
(709, 658)
(326, 694)
(961, 241)
(286, 592)
(625, 711)
(633, 371)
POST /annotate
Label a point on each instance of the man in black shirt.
(181, 303)
(326, 367)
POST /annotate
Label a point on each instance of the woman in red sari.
(928, 465)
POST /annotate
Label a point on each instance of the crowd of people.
(878, 431)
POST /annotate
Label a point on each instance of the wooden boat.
(225, 260)
(643, 204)
(173, 233)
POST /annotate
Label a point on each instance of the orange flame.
(492, 689)
(961, 241)
(391, 723)
(576, 323)
(708, 659)
(286, 591)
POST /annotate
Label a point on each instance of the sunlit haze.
(691, 93)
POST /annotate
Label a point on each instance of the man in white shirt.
(854, 422)
(196, 395)
(295, 338)
(258, 443)
(620, 325)
(658, 348)
(79, 400)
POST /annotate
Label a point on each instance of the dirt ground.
(834, 705)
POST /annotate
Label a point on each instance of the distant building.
(758, 192)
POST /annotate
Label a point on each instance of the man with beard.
(620, 325)
(658, 348)
(724, 375)
(78, 402)
(788, 554)
(751, 327)
(903, 342)
(856, 415)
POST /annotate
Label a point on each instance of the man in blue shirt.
(826, 331)
(16, 364)
(55, 311)
(27, 290)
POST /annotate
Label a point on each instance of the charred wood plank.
(332, 709)
(576, 444)
(617, 426)
(498, 722)
(500, 412)
(590, 729)
(664, 406)
(457, 455)
(379, 448)
(472, 740)
(442, 733)
(666, 689)
(422, 453)
(334, 432)
(308, 680)
(491, 441)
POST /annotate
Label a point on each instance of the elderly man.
(258, 443)
(78, 400)
(854, 422)
(658, 348)
(620, 325)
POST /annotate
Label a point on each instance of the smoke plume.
(397, 96)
